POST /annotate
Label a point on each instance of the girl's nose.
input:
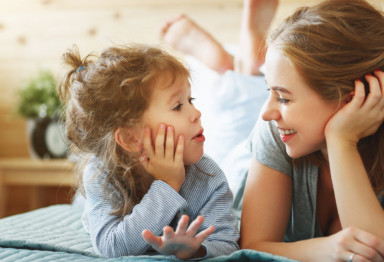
(270, 111)
(196, 115)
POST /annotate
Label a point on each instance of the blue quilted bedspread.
(55, 233)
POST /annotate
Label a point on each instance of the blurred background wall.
(34, 34)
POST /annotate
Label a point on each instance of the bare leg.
(185, 36)
(256, 18)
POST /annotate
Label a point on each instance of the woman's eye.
(282, 100)
(190, 100)
(178, 107)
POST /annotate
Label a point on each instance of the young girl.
(116, 105)
(315, 185)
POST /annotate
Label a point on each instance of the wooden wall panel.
(34, 34)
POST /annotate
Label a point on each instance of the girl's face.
(172, 105)
(299, 113)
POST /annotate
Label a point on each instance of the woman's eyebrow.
(281, 89)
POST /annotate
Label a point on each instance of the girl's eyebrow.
(173, 96)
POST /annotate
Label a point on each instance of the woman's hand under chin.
(362, 116)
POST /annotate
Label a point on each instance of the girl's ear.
(128, 139)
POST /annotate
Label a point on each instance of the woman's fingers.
(375, 95)
(373, 244)
(380, 76)
(359, 94)
(365, 251)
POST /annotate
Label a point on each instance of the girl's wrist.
(175, 185)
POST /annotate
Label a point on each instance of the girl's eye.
(178, 107)
(190, 100)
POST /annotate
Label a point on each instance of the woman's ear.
(349, 97)
(128, 139)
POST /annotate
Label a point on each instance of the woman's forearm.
(356, 201)
(311, 250)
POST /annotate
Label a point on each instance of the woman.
(317, 172)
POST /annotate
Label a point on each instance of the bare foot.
(256, 18)
(185, 36)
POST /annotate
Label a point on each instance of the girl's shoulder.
(207, 163)
(92, 171)
(207, 168)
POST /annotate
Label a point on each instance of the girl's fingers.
(195, 225)
(151, 239)
(179, 153)
(168, 233)
(204, 234)
(182, 225)
(170, 144)
(160, 138)
(147, 143)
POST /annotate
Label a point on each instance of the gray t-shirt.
(267, 148)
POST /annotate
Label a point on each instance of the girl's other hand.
(363, 115)
(184, 243)
(163, 161)
(351, 240)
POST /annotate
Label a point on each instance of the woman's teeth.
(286, 131)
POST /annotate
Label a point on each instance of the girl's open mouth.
(200, 137)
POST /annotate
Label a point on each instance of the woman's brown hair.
(102, 94)
(331, 45)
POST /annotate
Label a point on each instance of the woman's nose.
(270, 111)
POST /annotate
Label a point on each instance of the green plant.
(38, 97)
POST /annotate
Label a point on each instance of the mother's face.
(299, 113)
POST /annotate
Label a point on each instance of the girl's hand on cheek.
(162, 161)
(363, 115)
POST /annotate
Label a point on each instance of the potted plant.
(39, 103)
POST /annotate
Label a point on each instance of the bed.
(55, 233)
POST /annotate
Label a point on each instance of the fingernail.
(162, 126)
(377, 70)
(169, 128)
(369, 74)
